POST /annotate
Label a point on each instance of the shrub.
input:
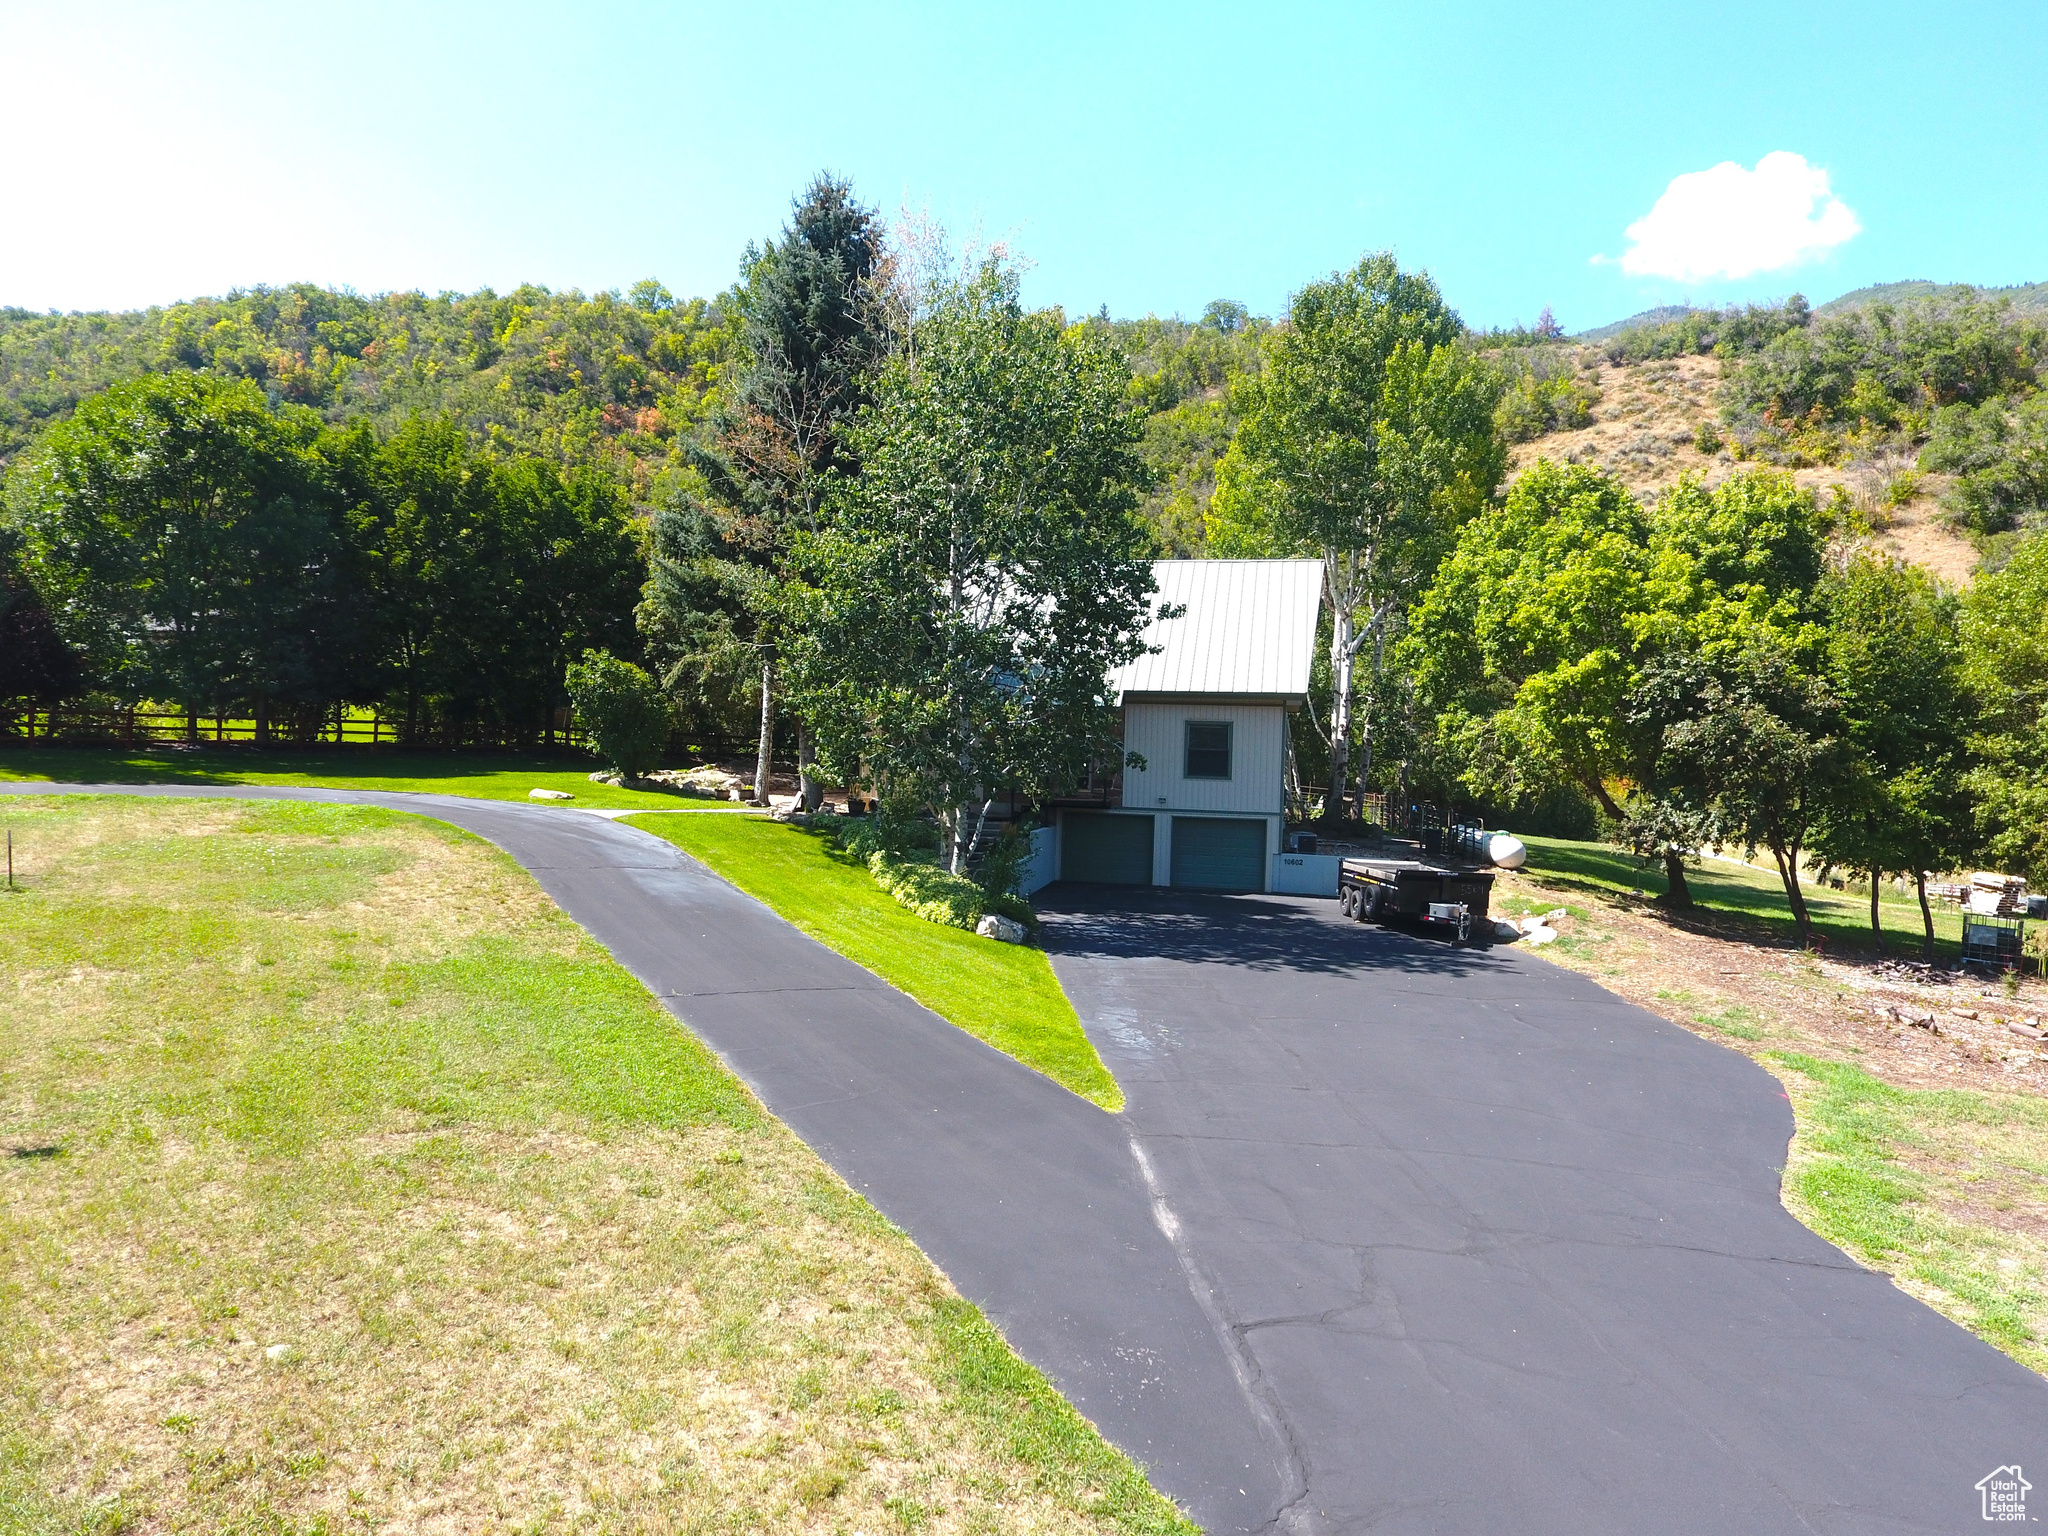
(1001, 871)
(913, 876)
(1999, 456)
(622, 709)
(1542, 398)
(940, 896)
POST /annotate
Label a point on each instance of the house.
(1205, 711)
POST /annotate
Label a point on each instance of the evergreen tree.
(809, 334)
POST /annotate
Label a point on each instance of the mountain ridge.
(2029, 297)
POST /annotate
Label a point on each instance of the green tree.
(1535, 621)
(1367, 440)
(2005, 660)
(984, 571)
(1529, 646)
(1748, 736)
(1895, 661)
(36, 666)
(809, 332)
(188, 541)
(484, 579)
(625, 712)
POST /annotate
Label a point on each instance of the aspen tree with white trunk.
(976, 583)
(1367, 441)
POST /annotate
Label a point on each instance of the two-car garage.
(1203, 853)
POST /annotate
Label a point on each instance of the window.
(1208, 749)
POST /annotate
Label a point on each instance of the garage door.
(1216, 853)
(1106, 850)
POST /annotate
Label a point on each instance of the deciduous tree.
(985, 570)
(1368, 441)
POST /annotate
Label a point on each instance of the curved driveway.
(1391, 1237)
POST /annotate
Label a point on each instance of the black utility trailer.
(1374, 890)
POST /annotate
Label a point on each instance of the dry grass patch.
(1643, 433)
(350, 1186)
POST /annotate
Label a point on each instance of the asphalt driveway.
(1392, 1237)
(1498, 1251)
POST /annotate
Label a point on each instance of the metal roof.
(1249, 630)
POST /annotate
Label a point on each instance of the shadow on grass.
(1727, 905)
(342, 767)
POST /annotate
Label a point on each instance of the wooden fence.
(350, 727)
(143, 727)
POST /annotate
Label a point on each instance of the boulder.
(712, 782)
(1004, 930)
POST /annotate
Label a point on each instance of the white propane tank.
(1506, 852)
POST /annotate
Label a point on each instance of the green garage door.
(1106, 850)
(1216, 853)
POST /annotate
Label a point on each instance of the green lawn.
(1873, 1164)
(479, 775)
(1005, 994)
(346, 1184)
(1841, 919)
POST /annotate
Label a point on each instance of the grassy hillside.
(2031, 297)
(1642, 424)
(1661, 315)
(1918, 408)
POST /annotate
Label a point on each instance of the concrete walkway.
(1392, 1237)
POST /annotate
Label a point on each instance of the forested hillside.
(1181, 373)
(571, 378)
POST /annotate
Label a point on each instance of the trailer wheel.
(1346, 901)
(1374, 902)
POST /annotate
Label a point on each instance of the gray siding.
(1258, 765)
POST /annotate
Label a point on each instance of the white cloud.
(1732, 223)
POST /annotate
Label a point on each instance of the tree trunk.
(1926, 917)
(1340, 714)
(1788, 872)
(1598, 791)
(807, 785)
(767, 743)
(1293, 764)
(1372, 690)
(191, 726)
(1876, 926)
(1680, 894)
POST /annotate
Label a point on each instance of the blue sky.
(1146, 157)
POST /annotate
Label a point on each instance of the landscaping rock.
(711, 782)
(549, 794)
(1004, 930)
